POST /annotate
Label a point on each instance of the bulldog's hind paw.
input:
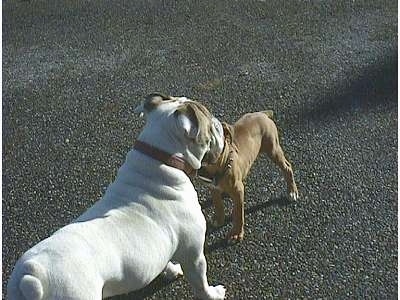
(213, 293)
(172, 271)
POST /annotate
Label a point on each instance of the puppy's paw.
(235, 236)
(172, 271)
(213, 293)
(217, 223)
(294, 196)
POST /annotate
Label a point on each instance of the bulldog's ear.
(150, 102)
(196, 121)
(186, 119)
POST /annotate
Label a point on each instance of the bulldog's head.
(181, 127)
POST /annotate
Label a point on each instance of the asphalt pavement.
(74, 70)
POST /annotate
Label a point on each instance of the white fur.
(190, 130)
(148, 216)
(172, 271)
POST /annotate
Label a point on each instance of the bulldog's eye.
(203, 144)
(217, 126)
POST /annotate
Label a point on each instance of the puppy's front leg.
(218, 203)
(195, 272)
(237, 195)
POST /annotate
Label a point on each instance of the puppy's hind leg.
(276, 154)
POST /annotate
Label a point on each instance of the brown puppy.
(252, 134)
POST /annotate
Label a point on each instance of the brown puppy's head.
(228, 132)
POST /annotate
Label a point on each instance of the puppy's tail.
(269, 113)
(27, 282)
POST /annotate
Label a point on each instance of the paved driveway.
(73, 71)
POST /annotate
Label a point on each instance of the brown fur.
(252, 134)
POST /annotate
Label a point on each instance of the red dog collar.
(166, 158)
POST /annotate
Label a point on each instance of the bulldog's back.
(136, 217)
(148, 216)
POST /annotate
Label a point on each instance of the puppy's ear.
(228, 131)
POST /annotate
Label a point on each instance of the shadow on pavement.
(280, 201)
(376, 85)
(154, 286)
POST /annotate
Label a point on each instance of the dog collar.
(166, 158)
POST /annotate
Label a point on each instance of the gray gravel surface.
(73, 71)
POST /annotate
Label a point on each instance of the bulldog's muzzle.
(216, 142)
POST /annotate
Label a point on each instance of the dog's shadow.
(160, 282)
(157, 284)
(221, 243)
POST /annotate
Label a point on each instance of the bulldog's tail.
(269, 113)
(27, 282)
(31, 287)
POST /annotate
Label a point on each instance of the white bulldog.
(148, 216)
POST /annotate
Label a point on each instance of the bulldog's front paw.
(216, 292)
(235, 235)
(213, 293)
